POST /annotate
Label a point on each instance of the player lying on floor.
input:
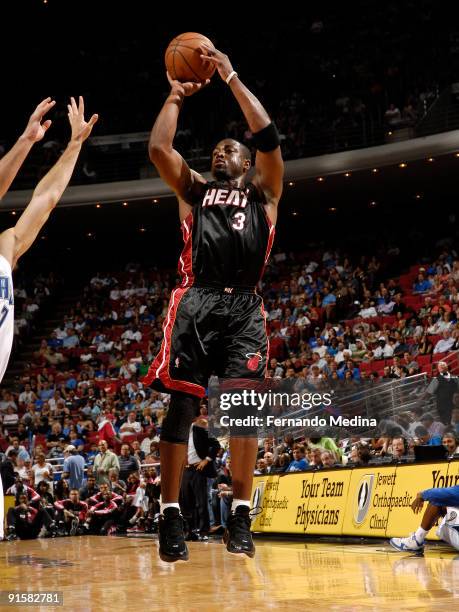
(441, 503)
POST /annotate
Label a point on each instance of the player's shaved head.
(230, 159)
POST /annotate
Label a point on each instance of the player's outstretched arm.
(35, 130)
(15, 241)
(269, 164)
(171, 166)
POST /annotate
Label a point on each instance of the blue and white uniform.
(6, 336)
(448, 529)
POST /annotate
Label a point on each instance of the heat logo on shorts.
(253, 361)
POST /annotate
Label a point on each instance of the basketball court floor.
(121, 573)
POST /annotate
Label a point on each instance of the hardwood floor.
(116, 573)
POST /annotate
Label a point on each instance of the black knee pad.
(183, 409)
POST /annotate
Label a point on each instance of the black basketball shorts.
(210, 331)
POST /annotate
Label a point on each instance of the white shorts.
(140, 499)
(448, 530)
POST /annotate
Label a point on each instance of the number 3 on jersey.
(239, 219)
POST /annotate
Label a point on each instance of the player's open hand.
(417, 504)
(80, 127)
(185, 89)
(35, 129)
(219, 59)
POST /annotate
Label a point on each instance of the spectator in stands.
(7, 469)
(46, 497)
(443, 387)
(324, 443)
(131, 427)
(328, 302)
(399, 449)
(73, 468)
(435, 428)
(393, 116)
(105, 428)
(7, 402)
(360, 454)
(104, 461)
(71, 340)
(315, 457)
(223, 485)
(269, 462)
(368, 310)
(27, 396)
(281, 463)
(89, 489)
(422, 285)
(299, 462)
(202, 452)
(450, 442)
(455, 415)
(10, 419)
(57, 452)
(116, 485)
(23, 470)
(267, 448)
(260, 467)
(137, 452)
(132, 334)
(128, 463)
(328, 459)
(61, 489)
(397, 370)
(42, 470)
(55, 436)
(21, 452)
(424, 346)
(383, 350)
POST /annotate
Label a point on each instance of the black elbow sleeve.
(267, 139)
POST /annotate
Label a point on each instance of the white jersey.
(6, 314)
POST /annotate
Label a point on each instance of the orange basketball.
(183, 58)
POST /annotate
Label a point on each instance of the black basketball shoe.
(11, 535)
(237, 536)
(172, 545)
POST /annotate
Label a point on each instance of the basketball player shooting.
(215, 322)
(16, 240)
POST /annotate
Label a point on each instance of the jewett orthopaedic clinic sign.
(246, 407)
(367, 501)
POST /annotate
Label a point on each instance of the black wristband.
(267, 139)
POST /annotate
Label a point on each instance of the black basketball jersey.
(227, 236)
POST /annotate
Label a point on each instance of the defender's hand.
(80, 127)
(35, 129)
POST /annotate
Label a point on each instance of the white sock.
(171, 505)
(420, 535)
(239, 502)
